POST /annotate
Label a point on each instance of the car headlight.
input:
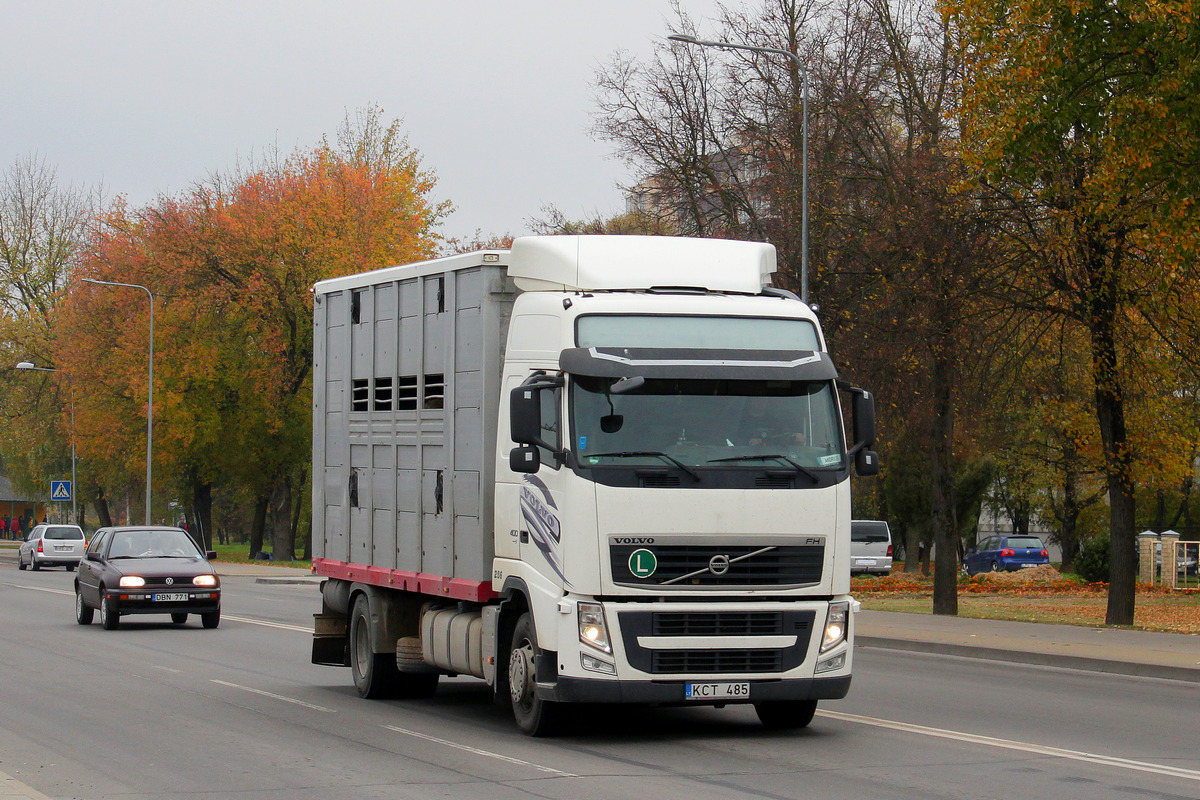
(205, 580)
(836, 625)
(132, 581)
(592, 630)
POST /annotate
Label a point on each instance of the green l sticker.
(642, 563)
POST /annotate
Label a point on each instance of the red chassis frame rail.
(423, 583)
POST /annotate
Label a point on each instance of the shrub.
(1091, 563)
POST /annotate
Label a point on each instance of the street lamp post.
(150, 390)
(681, 37)
(74, 485)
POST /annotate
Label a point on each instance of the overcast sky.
(147, 97)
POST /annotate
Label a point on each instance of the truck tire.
(375, 674)
(533, 715)
(784, 715)
(417, 679)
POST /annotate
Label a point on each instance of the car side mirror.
(211, 555)
(92, 556)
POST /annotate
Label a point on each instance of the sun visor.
(628, 362)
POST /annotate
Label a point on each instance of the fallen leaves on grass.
(1037, 594)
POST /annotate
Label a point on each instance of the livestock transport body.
(585, 470)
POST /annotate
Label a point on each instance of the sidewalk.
(266, 572)
(262, 571)
(1118, 651)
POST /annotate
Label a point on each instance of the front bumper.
(586, 690)
(198, 602)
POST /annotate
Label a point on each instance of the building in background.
(14, 504)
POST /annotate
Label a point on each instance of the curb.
(1161, 671)
(298, 580)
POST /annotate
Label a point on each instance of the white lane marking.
(1025, 747)
(39, 589)
(11, 787)
(274, 696)
(266, 624)
(247, 620)
(479, 752)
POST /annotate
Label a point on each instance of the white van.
(870, 547)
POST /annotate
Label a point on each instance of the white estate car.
(870, 547)
(52, 546)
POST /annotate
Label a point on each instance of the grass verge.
(1035, 596)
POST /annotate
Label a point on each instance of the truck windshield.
(707, 423)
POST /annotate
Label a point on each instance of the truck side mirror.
(866, 462)
(864, 417)
(525, 414)
(526, 407)
(525, 410)
(526, 459)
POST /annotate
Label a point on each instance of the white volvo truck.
(585, 470)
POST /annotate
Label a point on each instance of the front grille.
(740, 626)
(713, 662)
(688, 566)
(723, 623)
(180, 583)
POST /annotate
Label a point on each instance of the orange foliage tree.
(231, 264)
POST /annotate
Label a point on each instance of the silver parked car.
(52, 546)
(870, 547)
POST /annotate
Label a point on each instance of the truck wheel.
(417, 679)
(375, 674)
(783, 715)
(534, 716)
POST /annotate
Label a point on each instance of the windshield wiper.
(799, 468)
(653, 454)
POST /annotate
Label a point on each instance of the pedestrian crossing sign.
(60, 490)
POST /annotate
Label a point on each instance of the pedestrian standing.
(3, 528)
(15, 527)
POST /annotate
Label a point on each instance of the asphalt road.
(153, 710)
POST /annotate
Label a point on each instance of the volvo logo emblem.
(172, 580)
(718, 565)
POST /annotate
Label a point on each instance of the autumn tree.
(232, 262)
(1082, 118)
(42, 223)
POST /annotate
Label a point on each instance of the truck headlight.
(592, 630)
(836, 625)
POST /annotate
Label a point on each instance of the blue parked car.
(1005, 553)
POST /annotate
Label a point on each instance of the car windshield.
(63, 532)
(1031, 542)
(152, 544)
(707, 423)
